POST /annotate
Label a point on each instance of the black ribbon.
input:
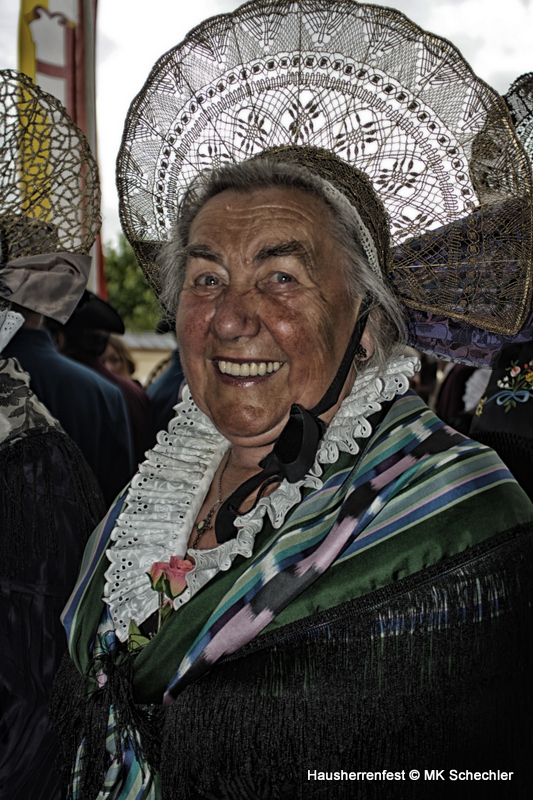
(294, 451)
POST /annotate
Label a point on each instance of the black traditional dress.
(49, 502)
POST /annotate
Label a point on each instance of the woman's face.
(265, 316)
(112, 360)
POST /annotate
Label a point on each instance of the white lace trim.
(166, 494)
(10, 322)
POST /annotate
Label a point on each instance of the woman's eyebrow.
(283, 249)
(202, 251)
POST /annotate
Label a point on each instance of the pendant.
(203, 525)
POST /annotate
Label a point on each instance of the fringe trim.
(431, 672)
(27, 532)
(81, 708)
(435, 676)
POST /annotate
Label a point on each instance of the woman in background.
(117, 357)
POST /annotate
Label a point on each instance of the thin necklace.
(205, 523)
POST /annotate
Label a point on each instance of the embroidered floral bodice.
(165, 496)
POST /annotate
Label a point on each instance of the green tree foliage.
(128, 289)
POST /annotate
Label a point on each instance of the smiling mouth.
(250, 369)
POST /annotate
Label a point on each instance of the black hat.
(93, 313)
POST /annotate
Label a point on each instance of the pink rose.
(170, 579)
(176, 572)
(515, 371)
(156, 575)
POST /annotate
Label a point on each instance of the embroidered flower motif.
(170, 579)
(12, 390)
(514, 389)
(21, 411)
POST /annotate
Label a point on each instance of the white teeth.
(250, 369)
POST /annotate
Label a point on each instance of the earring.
(360, 353)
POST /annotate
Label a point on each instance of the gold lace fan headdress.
(49, 200)
(49, 188)
(519, 99)
(386, 98)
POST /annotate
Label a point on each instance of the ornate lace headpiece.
(49, 200)
(382, 97)
(519, 99)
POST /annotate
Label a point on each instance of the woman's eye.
(282, 277)
(208, 280)
(279, 282)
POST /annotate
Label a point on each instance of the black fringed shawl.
(434, 672)
(30, 484)
(430, 673)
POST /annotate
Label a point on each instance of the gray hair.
(385, 321)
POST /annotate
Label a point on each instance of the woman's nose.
(237, 313)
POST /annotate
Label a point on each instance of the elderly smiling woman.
(310, 575)
(270, 277)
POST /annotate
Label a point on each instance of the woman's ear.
(367, 343)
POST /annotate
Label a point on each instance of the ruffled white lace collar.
(165, 496)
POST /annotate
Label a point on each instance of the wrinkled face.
(264, 317)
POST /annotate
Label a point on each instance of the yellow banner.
(34, 145)
(34, 154)
(57, 51)
(26, 44)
